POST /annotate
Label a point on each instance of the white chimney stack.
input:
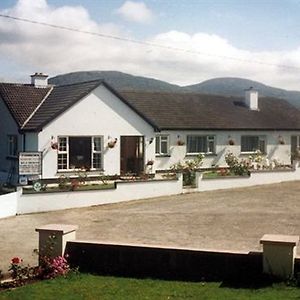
(251, 98)
(39, 80)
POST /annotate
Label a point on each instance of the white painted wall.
(256, 178)
(178, 153)
(8, 126)
(29, 203)
(99, 113)
(8, 204)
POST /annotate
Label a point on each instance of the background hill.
(220, 86)
(117, 80)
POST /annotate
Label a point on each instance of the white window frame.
(93, 151)
(12, 145)
(209, 138)
(63, 152)
(158, 143)
(261, 138)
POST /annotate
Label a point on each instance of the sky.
(179, 41)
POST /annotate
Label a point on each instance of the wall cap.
(62, 228)
(276, 239)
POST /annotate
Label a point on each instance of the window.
(77, 152)
(162, 145)
(252, 143)
(200, 144)
(12, 145)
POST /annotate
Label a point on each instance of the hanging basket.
(54, 145)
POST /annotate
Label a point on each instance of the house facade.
(94, 127)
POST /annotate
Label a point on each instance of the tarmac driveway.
(224, 220)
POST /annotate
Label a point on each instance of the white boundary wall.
(9, 204)
(256, 178)
(18, 203)
(125, 191)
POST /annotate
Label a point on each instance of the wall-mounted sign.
(30, 163)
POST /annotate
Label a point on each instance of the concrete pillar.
(53, 239)
(279, 253)
(199, 176)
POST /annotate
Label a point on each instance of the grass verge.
(86, 286)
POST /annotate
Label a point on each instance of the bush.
(236, 166)
(188, 168)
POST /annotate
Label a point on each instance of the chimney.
(39, 80)
(251, 98)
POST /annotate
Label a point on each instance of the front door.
(132, 155)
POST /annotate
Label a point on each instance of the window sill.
(72, 171)
(251, 153)
(196, 154)
(162, 155)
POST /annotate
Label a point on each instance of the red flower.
(16, 260)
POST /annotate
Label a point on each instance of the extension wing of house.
(92, 126)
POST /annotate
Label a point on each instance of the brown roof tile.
(21, 99)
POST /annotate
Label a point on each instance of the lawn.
(85, 286)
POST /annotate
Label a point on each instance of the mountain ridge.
(225, 86)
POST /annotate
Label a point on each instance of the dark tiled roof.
(21, 99)
(161, 110)
(197, 111)
(60, 99)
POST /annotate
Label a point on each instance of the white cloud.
(135, 12)
(26, 48)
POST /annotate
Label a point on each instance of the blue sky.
(264, 34)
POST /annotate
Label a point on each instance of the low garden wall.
(19, 203)
(255, 178)
(162, 262)
(124, 191)
(277, 259)
(9, 204)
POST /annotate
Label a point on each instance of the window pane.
(251, 144)
(97, 162)
(80, 152)
(197, 144)
(97, 144)
(294, 144)
(162, 144)
(164, 147)
(12, 145)
(157, 145)
(62, 161)
(62, 144)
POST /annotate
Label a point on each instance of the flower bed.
(68, 188)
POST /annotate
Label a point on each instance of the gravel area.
(224, 220)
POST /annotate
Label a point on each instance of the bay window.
(79, 152)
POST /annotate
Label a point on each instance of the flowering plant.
(53, 267)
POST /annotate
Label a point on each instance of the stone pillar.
(53, 239)
(279, 253)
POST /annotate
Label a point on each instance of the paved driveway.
(224, 220)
